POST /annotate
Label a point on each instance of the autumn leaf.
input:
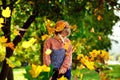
(2, 53)
(92, 30)
(44, 37)
(35, 71)
(74, 27)
(16, 32)
(66, 45)
(48, 25)
(45, 68)
(27, 44)
(3, 39)
(6, 12)
(1, 26)
(48, 51)
(10, 44)
(99, 17)
(1, 21)
(2, 56)
(9, 62)
(62, 78)
(99, 38)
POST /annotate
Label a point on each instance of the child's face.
(66, 31)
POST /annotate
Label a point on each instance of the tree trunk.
(6, 71)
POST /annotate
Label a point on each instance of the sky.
(116, 35)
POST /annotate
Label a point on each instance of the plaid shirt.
(64, 57)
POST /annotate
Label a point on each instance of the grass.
(19, 74)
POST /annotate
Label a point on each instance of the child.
(60, 51)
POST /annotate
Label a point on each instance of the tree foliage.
(91, 23)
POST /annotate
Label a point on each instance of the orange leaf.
(10, 44)
(99, 17)
(43, 37)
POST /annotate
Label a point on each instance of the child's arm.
(46, 57)
(67, 61)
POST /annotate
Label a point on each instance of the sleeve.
(67, 61)
(46, 58)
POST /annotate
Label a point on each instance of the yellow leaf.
(1, 26)
(16, 32)
(27, 44)
(74, 27)
(92, 30)
(81, 67)
(3, 39)
(1, 20)
(44, 37)
(35, 71)
(99, 38)
(80, 56)
(62, 78)
(2, 57)
(6, 12)
(48, 51)
(99, 17)
(66, 45)
(9, 62)
(46, 68)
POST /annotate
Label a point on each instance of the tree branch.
(4, 4)
(25, 26)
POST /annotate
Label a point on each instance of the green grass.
(19, 74)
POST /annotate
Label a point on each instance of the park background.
(25, 25)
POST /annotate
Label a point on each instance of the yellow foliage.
(16, 32)
(48, 25)
(62, 78)
(87, 63)
(99, 38)
(37, 69)
(105, 55)
(9, 62)
(2, 53)
(80, 56)
(27, 44)
(81, 67)
(1, 26)
(48, 51)
(66, 45)
(3, 39)
(74, 27)
(45, 68)
(1, 21)
(99, 17)
(92, 30)
(6, 12)
(44, 37)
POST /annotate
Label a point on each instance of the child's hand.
(62, 70)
